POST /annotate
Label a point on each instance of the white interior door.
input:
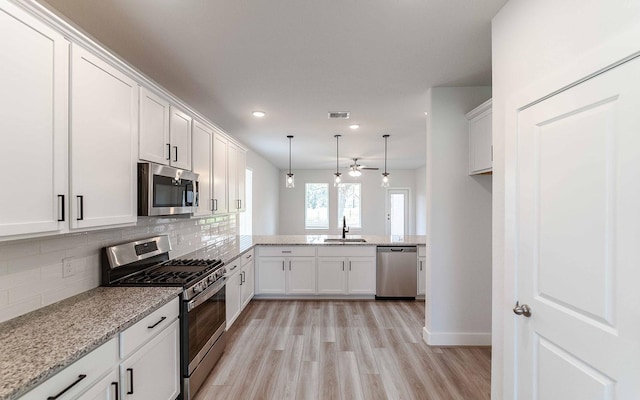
(397, 212)
(578, 234)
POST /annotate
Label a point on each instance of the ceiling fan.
(356, 169)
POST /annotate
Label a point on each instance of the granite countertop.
(235, 246)
(39, 344)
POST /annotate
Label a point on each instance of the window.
(349, 204)
(316, 210)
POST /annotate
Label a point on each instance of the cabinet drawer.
(148, 327)
(346, 251)
(80, 375)
(247, 257)
(233, 267)
(288, 251)
(422, 251)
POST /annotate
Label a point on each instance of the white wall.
(373, 201)
(537, 47)
(265, 194)
(421, 201)
(458, 308)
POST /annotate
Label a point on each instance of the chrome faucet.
(345, 228)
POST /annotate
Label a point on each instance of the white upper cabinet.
(180, 132)
(155, 144)
(480, 139)
(104, 143)
(165, 132)
(220, 145)
(34, 67)
(202, 151)
(237, 160)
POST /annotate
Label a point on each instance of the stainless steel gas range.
(202, 316)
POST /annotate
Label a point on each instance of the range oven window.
(204, 321)
(170, 192)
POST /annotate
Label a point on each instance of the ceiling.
(299, 59)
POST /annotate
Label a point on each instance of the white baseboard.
(456, 338)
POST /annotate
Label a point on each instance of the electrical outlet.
(68, 267)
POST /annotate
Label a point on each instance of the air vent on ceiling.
(338, 114)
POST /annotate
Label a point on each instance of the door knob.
(522, 310)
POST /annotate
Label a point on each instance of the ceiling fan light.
(355, 172)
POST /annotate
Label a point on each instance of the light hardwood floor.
(342, 350)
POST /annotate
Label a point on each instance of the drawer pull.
(234, 267)
(117, 391)
(80, 377)
(130, 372)
(157, 323)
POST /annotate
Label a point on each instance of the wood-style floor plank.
(343, 350)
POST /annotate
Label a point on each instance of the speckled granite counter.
(235, 246)
(37, 345)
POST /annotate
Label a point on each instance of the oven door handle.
(206, 295)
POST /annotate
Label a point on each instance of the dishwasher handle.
(397, 249)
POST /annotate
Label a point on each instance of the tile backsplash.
(41, 271)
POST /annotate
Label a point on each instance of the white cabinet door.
(362, 275)
(155, 145)
(301, 275)
(201, 155)
(332, 275)
(248, 285)
(34, 71)
(232, 177)
(233, 298)
(107, 389)
(104, 143)
(180, 133)
(241, 166)
(480, 139)
(153, 371)
(220, 144)
(422, 275)
(271, 275)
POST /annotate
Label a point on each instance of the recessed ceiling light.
(354, 126)
(259, 114)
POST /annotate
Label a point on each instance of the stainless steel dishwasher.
(396, 272)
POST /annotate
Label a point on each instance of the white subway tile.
(15, 310)
(20, 248)
(64, 242)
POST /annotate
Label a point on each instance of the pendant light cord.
(337, 155)
(385, 152)
(290, 137)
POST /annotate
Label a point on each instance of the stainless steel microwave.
(164, 190)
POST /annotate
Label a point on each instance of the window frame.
(339, 219)
(328, 199)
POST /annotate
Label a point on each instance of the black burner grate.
(174, 272)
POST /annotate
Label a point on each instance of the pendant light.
(289, 182)
(337, 176)
(385, 174)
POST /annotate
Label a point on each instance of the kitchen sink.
(348, 240)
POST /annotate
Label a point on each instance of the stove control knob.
(199, 287)
(212, 278)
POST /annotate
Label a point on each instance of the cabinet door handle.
(215, 204)
(117, 391)
(157, 323)
(420, 265)
(130, 372)
(176, 159)
(283, 265)
(61, 207)
(349, 265)
(168, 151)
(343, 265)
(289, 265)
(80, 377)
(212, 203)
(80, 207)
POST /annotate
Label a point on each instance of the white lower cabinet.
(143, 362)
(153, 371)
(107, 389)
(239, 287)
(271, 275)
(301, 275)
(346, 275)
